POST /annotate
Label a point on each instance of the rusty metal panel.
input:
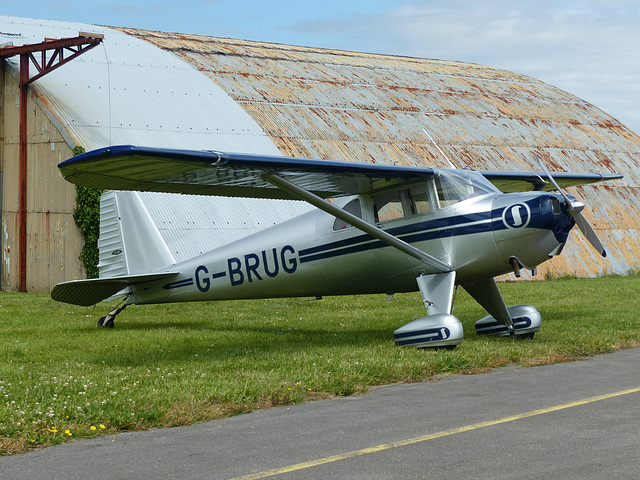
(53, 250)
(46, 189)
(9, 263)
(10, 181)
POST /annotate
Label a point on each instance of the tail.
(130, 247)
(129, 243)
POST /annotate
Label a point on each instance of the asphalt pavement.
(578, 420)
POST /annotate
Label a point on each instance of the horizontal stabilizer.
(91, 291)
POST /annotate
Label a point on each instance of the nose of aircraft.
(556, 216)
(531, 226)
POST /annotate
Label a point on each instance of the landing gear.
(439, 329)
(526, 322)
(108, 320)
(435, 331)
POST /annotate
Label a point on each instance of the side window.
(354, 208)
(420, 202)
(389, 206)
(402, 203)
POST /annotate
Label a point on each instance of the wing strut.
(356, 222)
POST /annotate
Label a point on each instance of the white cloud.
(588, 48)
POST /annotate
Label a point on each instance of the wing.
(242, 175)
(229, 174)
(509, 182)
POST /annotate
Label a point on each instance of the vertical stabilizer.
(129, 242)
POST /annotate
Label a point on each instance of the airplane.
(376, 229)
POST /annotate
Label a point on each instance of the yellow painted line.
(432, 436)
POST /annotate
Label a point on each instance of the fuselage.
(477, 230)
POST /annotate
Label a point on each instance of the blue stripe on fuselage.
(460, 225)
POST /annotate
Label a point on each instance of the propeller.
(575, 210)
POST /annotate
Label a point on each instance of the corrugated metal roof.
(372, 108)
(346, 97)
(192, 225)
(188, 225)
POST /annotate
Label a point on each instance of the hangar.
(191, 91)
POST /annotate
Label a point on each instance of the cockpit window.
(389, 206)
(402, 203)
(420, 201)
(354, 208)
(453, 187)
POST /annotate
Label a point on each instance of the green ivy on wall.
(87, 217)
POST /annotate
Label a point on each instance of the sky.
(588, 48)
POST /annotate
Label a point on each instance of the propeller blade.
(553, 180)
(589, 233)
(575, 209)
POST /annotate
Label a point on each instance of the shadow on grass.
(223, 331)
(193, 341)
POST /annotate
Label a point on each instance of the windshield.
(453, 186)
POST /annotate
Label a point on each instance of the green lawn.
(62, 377)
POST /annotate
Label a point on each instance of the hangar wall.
(54, 241)
(127, 91)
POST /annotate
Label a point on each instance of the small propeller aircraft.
(388, 229)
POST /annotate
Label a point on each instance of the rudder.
(129, 242)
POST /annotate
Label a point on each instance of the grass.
(63, 378)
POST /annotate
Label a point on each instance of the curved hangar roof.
(317, 103)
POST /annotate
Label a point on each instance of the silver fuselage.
(307, 256)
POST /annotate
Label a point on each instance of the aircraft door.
(346, 253)
(408, 214)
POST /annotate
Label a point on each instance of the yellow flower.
(92, 428)
(67, 432)
(102, 427)
(52, 430)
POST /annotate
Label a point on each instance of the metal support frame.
(438, 292)
(76, 46)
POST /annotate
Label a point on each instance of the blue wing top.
(242, 175)
(524, 181)
(228, 174)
